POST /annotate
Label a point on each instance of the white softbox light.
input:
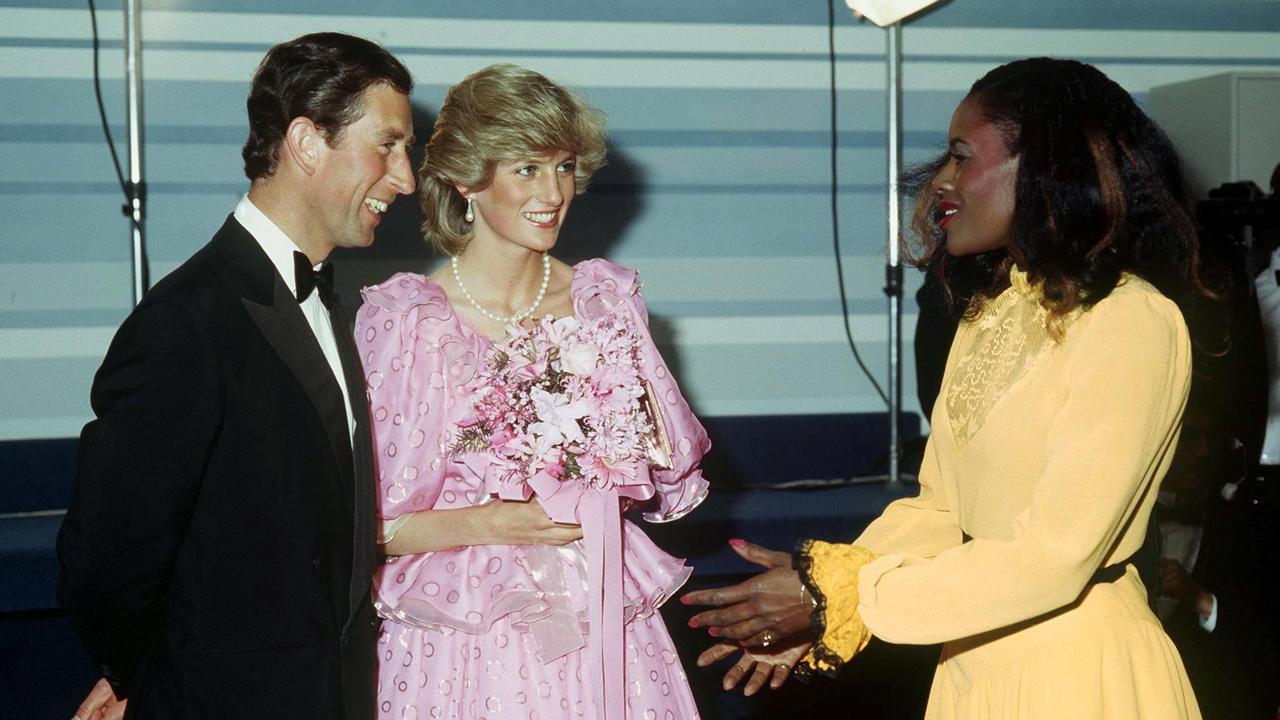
(887, 12)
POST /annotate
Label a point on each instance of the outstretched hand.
(770, 608)
(773, 665)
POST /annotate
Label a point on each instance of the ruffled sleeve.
(830, 572)
(605, 287)
(409, 369)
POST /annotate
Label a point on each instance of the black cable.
(102, 115)
(97, 92)
(835, 198)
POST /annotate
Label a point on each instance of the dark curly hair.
(1099, 192)
(321, 76)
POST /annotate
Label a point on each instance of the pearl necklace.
(517, 317)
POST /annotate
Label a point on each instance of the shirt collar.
(278, 247)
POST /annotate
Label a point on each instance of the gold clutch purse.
(656, 442)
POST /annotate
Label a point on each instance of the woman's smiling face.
(528, 200)
(976, 189)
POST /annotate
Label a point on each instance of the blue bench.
(35, 483)
(750, 455)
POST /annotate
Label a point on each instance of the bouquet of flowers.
(561, 407)
(562, 413)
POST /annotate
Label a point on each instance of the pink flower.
(608, 377)
(613, 442)
(536, 451)
(610, 474)
(501, 436)
(556, 407)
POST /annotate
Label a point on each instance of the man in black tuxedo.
(1225, 626)
(219, 547)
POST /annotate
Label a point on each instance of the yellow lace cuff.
(830, 572)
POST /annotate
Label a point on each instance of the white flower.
(537, 445)
(558, 416)
(559, 330)
(580, 359)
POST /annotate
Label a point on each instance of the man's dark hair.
(321, 76)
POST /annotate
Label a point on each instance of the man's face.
(361, 175)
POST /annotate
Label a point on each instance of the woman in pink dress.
(489, 607)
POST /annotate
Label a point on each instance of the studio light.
(889, 14)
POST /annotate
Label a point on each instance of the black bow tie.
(308, 279)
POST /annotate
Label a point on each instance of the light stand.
(889, 14)
(135, 189)
(893, 264)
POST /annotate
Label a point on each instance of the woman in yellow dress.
(1058, 415)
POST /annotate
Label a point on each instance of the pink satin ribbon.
(602, 536)
(598, 512)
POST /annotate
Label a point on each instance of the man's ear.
(304, 145)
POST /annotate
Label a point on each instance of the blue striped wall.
(718, 187)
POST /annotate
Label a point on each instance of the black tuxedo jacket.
(1235, 670)
(217, 554)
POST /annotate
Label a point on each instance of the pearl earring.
(469, 216)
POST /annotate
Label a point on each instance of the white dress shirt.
(1269, 308)
(279, 249)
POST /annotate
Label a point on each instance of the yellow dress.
(1048, 453)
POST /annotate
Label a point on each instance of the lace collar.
(1022, 284)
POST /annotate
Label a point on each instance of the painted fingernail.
(694, 623)
(713, 632)
(737, 542)
(685, 600)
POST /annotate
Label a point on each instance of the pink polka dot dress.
(500, 631)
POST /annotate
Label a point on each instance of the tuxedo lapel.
(286, 330)
(275, 312)
(363, 551)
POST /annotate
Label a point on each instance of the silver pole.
(893, 269)
(136, 189)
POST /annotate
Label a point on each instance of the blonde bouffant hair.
(501, 113)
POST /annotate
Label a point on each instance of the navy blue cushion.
(769, 449)
(36, 474)
(28, 566)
